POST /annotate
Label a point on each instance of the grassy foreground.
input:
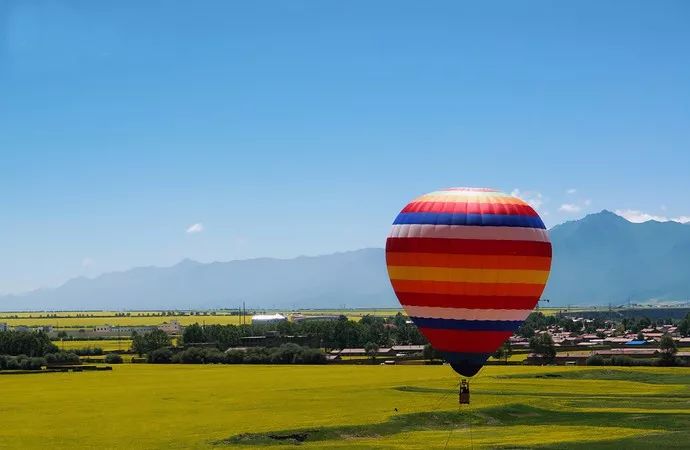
(149, 406)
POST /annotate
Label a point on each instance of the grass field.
(149, 406)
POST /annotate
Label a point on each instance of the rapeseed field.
(190, 406)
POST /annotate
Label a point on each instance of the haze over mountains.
(599, 259)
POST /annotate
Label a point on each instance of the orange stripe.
(468, 261)
(455, 275)
(447, 287)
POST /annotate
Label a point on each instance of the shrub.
(34, 363)
(596, 360)
(62, 358)
(113, 358)
(234, 357)
(310, 356)
(214, 356)
(88, 351)
(627, 361)
(285, 354)
(257, 355)
(12, 364)
(193, 355)
(160, 356)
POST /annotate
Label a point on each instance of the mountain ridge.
(619, 261)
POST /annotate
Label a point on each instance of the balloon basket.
(464, 394)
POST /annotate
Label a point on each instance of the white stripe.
(436, 312)
(467, 194)
(469, 232)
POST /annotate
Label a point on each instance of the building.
(631, 352)
(408, 348)
(268, 318)
(304, 318)
(103, 329)
(3, 326)
(362, 352)
(173, 327)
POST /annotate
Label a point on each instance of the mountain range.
(600, 259)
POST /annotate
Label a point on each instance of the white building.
(268, 318)
(3, 326)
(103, 329)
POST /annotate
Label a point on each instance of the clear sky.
(140, 133)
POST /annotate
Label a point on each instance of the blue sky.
(288, 128)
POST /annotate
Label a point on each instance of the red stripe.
(468, 246)
(465, 341)
(468, 261)
(467, 301)
(511, 209)
(460, 288)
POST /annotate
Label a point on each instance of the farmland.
(107, 345)
(98, 319)
(90, 319)
(151, 406)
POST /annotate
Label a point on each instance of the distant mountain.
(599, 259)
(352, 279)
(604, 258)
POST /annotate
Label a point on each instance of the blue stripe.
(469, 325)
(466, 364)
(488, 220)
(467, 358)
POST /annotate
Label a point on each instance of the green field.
(151, 406)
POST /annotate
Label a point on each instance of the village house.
(173, 327)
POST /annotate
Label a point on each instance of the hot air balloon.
(468, 265)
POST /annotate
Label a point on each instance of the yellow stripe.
(467, 275)
(501, 198)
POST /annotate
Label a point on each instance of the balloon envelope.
(468, 265)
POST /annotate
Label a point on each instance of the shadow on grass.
(510, 415)
(681, 375)
(508, 393)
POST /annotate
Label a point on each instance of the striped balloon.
(468, 265)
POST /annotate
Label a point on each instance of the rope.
(469, 407)
(449, 433)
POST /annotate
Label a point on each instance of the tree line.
(284, 354)
(328, 334)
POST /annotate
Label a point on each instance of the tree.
(160, 356)
(684, 326)
(193, 334)
(431, 353)
(504, 352)
(25, 343)
(372, 349)
(668, 349)
(640, 336)
(543, 345)
(113, 358)
(150, 341)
